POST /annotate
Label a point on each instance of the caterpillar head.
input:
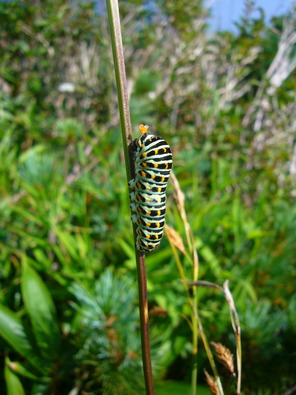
(143, 128)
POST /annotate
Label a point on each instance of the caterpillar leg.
(133, 207)
(132, 183)
(134, 218)
(132, 197)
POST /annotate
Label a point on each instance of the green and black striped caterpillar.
(153, 164)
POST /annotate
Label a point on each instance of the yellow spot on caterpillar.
(148, 236)
(143, 174)
(159, 190)
(166, 165)
(138, 184)
(148, 224)
(148, 212)
(164, 150)
(144, 155)
(155, 165)
(155, 151)
(162, 179)
(157, 225)
(144, 164)
(156, 237)
(153, 177)
(158, 212)
(148, 188)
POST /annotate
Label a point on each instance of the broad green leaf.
(42, 312)
(13, 383)
(17, 367)
(13, 332)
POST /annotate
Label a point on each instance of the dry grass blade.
(180, 200)
(175, 238)
(178, 194)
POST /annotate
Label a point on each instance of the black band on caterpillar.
(153, 163)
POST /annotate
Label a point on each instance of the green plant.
(37, 341)
(106, 325)
(213, 97)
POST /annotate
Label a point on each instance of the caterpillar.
(153, 163)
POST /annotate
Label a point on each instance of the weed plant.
(226, 104)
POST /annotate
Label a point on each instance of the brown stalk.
(122, 91)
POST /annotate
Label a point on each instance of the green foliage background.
(69, 318)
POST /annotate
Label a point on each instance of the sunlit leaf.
(13, 383)
(42, 312)
(14, 333)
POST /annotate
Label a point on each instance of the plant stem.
(237, 330)
(126, 128)
(210, 357)
(144, 319)
(194, 316)
(194, 356)
(120, 75)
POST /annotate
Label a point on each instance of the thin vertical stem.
(126, 128)
(120, 75)
(210, 357)
(144, 319)
(195, 316)
(194, 351)
(237, 330)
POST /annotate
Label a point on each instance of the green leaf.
(17, 367)
(209, 256)
(42, 312)
(30, 238)
(13, 383)
(28, 215)
(69, 242)
(13, 331)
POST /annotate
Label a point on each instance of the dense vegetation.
(226, 104)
